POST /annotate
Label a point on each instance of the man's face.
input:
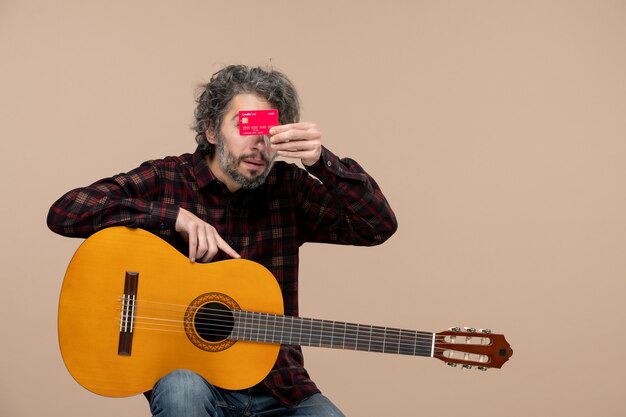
(241, 161)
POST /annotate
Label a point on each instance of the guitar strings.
(356, 328)
(217, 316)
(376, 335)
(376, 344)
(322, 342)
(253, 333)
(245, 327)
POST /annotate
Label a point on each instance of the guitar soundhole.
(209, 321)
(214, 322)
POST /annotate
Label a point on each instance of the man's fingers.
(203, 242)
(294, 132)
(211, 250)
(214, 244)
(225, 247)
(289, 126)
(192, 237)
(203, 239)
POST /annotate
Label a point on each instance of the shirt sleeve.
(345, 205)
(129, 199)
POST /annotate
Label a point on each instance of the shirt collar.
(204, 175)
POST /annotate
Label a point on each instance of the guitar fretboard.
(272, 328)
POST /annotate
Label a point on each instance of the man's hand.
(203, 239)
(297, 140)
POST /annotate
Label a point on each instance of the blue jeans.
(184, 393)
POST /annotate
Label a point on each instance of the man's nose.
(260, 142)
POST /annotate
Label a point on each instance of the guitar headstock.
(472, 348)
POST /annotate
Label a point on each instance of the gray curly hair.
(215, 100)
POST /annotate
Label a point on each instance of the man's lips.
(257, 163)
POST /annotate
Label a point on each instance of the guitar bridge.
(127, 316)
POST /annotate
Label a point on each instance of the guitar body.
(91, 304)
(132, 309)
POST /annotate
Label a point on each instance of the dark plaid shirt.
(344, 205)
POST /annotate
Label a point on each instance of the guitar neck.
(271, 328)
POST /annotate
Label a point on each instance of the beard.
(230, 164)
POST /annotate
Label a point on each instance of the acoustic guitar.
(132, 309)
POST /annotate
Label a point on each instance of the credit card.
(257, 122)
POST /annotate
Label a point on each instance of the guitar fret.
(370, 340)
(307, 332)
(297, 331)
(278, 329)
(351, 336)
(247, 330)
(254, 329)
(273, 337)
(330, 328)
(328, 341)
(391, 341)
(341, 332)
(407, 343)
(378, 339)
(242, 330)
(384, 339)
(249, 326)
(319, 333)
(275, 328)
(276, 336)
(232, 335)
(364, 342)
(282, 328)
(261, 328)
(267, 321)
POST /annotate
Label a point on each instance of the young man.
(230, 199)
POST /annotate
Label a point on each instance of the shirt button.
(231, 243)
(329, 163)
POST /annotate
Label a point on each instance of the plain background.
(495, 128)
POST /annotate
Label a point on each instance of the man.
(231, 199)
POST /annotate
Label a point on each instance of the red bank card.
(257, 122)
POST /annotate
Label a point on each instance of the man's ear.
(209, 132)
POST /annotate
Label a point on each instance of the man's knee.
(182, 379)
(181, 392)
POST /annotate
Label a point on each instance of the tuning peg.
(486, 331)
(470, 329)
(455, 329)
(482, 368)
(466, 366)
(452, 364)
